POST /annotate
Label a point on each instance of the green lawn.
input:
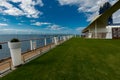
(76, 59)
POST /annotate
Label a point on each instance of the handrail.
(3, 42)
(26, 56)
(27, 40)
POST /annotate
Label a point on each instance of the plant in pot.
(15, 40)
(15, 51)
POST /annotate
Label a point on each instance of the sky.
(49, 16)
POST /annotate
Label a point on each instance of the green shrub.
(15, 40)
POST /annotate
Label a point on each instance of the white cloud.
(4, 19)
(28, 8)
(80, 28)
(25, 8)
(39, 2)
(13, 11)
(69, 2)
(116, 17)
(40, 23)
(54, 27)
(89, 7)
(7, 8)
(3, 24)
(22, 21)
(19, 23)
(32, 20)
(18, 31)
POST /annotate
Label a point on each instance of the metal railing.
(29, 52)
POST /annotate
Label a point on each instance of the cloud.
(22, 21)
(7, 8)
(3, 24)
(40, 23)
(116, 17)
(89, 7)
(54, 27)
(13, 11)
(28, 7)
(79, 28)
(24, 8)
(4, 19)
(19, 23)
(69, 2)
(18, 31)
(32, 20)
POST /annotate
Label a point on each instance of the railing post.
(60, 38)
(56, 41)
(34, 44)
(68, 36)
(31, 45)
(45, 41)
(53, 40)
(64, 38)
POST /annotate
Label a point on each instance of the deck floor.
(6, 64)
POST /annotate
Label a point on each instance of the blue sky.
(47, 16)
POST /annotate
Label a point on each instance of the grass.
(76, 59)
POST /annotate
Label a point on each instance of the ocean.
(5, 53)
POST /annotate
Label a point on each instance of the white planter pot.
(56, 40)
(15, 51)
(14, 45)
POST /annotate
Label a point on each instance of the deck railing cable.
(31, 48)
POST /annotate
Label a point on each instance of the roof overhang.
(104, 17)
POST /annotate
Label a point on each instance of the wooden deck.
(6, 64)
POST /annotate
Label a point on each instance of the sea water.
(5, 53)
